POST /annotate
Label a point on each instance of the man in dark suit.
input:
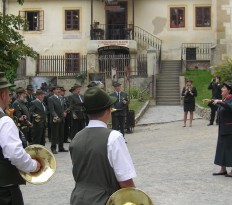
(67, 121)
(76, 101)
(118, 117)
(30, 95)
(48, 95)
(21, 112)
(38, 116)
(57, 115)
(215, 86)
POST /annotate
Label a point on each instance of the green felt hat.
(97, 100)
(3, 81)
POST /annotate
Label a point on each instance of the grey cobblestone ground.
(174, 164)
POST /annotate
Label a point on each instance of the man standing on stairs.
(215, 86)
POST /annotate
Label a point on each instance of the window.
(72, 20)
(203, 16)
(34, 19)
(177, 17)
(72, 62)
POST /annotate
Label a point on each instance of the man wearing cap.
(57, 115)
(76, 101)
(38, 115)
(12, 155)
(30, 94)
(21, 112)
(118, 117)
(67, 120)
(48, 95)
(100, 158)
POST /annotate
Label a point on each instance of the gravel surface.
(174, 165)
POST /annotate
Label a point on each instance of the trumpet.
(47, 161)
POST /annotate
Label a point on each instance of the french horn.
(129, 196)
(47, 161)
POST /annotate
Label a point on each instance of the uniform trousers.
(11, 195)
(57, 135)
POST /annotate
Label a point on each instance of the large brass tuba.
(129, 196)
(47, 161)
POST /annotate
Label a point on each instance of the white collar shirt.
(12, 148)
(117, 153)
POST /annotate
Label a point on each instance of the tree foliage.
(224, 70)
(12, 47)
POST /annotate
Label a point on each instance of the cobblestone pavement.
(174, 165)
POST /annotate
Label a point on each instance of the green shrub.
(224, 70)
(137, 93)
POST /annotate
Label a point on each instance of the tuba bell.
(129, 196)
(47, 161)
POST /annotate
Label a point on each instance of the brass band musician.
(12, 155)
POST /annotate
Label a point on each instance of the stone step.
(168, 103)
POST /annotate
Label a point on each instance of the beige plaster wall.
(153, 16)
(150, 15)
(54, 39)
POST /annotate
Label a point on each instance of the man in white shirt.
(12, 155)
(101, 160)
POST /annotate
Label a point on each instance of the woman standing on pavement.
(189, 92)
(223, 155)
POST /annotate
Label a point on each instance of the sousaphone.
(47, 161)
(129, 196)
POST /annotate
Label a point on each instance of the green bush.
(137, 93)
(224, 70)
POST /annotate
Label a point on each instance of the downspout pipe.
(4, 7)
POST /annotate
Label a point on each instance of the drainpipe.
(4, 7)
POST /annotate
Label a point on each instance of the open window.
(34, 19)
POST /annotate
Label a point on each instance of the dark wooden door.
(116, 21)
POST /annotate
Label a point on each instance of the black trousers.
(11, 195)
(212, 115)
(77, 125)
(38, 133)
(118, 123)
(57, 132)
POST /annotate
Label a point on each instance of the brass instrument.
(129, 196)
(37, 117)
(56, 119)
(47, 161)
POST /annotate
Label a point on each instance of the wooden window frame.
(179, 22)
(203, 14)
(72, 19)
(70, 65)
(40, 20)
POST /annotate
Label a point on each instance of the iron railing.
(119, 66)
(196, 51)
(60, 65)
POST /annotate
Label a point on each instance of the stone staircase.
(167, 86)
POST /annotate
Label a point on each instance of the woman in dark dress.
(189, 92)
(223, 156)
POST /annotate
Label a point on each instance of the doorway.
(116, 21)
